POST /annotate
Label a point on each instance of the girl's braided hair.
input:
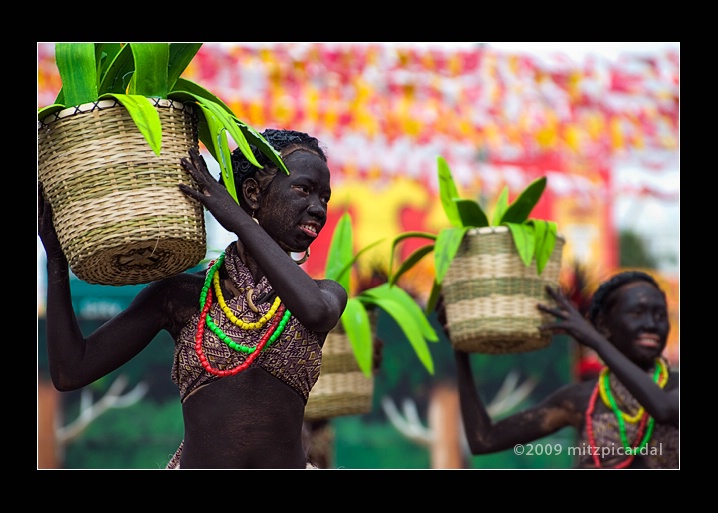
(281, 140)
(599, 301)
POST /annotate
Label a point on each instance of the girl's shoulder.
(177, 297)
(574, 395)
(673, 380)
(180, 290)
(178, 284)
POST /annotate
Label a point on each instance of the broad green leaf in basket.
(446, 247)
(502, 203)
(340, 252)
(433, 298)
(470, 213)
(393, 299)
(545, 233)
(523, 235)
(385, 298)
(50, 109)
(151, 62)
(181, 54)
(411, 261)
(447, 192)
(225, 120)
(410, 305)
(116, 69)
(254, 137)
(218, 147)
(345, 271)
(231, 126)
(415, 257)
(144, 114)
(520, 209)
(357, 326)
(78, 71)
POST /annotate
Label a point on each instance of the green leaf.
(539, 233)
(211, 132)
(78, 72)
(203, 133)
(521, 207)
(502, 203)
(386, 300)
(151, 63)
(447, 192)
(116, 71)
(345, 270)
(357, 326)
(231, 126)
(402, 297)
(227, 121)
(340, 252)
(182, 85)
(185, 90)
(433, 298)
(248, 134)
(402, 237)
(145, 115)
(181, 54)
(60, 98)
(545, 233)
(257, 139)
(50, 109)
(104, 54)
(410, 262)
(471, 213)
(523, 235)
(445, 249)
(217, 140)
(226, 163)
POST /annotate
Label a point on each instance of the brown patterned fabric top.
(295, 358)
(661, 452)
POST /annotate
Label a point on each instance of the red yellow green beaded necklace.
(277, 312)
(610, 402)
(230, 315)
(646, 422)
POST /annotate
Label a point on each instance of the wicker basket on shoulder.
(118, 211)
(342, 388)
(490, 295)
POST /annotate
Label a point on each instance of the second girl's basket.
(491, 296)
(342, 388)
(117, 208)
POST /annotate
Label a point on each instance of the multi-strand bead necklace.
(645, 421)
(278, 314)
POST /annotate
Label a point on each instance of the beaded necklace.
(660, 376)
(607, 396)
(273, 333)
(235, 320)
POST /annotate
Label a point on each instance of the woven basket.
(342, 388)
(118, 211)
(491, 296)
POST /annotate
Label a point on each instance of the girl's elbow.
(320, 323)
(63, 383)
(62, 386)
(666, 416)
(477, 448)
(321, 318)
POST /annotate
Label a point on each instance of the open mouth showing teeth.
(648, 341)
(310, 229)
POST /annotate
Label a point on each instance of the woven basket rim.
(498, 229)
(105, 104)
